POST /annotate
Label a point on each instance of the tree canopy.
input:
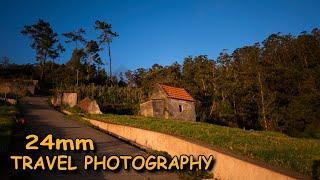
(44, 42)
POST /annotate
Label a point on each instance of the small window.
(180, 108)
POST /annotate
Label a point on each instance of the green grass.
(74, 110)
(7, 121)
(274, 148)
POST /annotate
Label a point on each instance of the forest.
(272, 85)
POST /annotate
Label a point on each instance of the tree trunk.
(42, 71)
(234, 105)
(305, 62)
(109, 53)
(89, 67)
(88, 73)
(77, 77)
(42, 67)
(51, 71)
(263, 110)
(233, 96)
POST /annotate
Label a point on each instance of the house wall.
(146, 109)
(158, 108)
(157, 94)
(172, 110)
(152, 108)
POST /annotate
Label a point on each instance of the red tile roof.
(176, 93)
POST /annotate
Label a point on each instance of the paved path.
(42, 120)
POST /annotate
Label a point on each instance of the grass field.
(7, 121)
(273, 148)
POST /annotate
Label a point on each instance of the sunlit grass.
(277, 149)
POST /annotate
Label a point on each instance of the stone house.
(169, 103)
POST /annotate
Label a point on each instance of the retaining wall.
(227, 166)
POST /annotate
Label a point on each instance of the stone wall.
(173, 107)
(146, 109)
(158, 108)
(227, 166)
(19, 87)
(153, 108)
(157, 93)
(69, 99)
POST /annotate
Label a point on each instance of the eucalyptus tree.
(44, 42)
(106, 36)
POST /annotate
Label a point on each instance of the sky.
(156, 31)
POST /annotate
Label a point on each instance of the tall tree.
(106, 37)
(75, 63)
(76, 36)
(44, 42)
(92, 56)
(55, 53)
